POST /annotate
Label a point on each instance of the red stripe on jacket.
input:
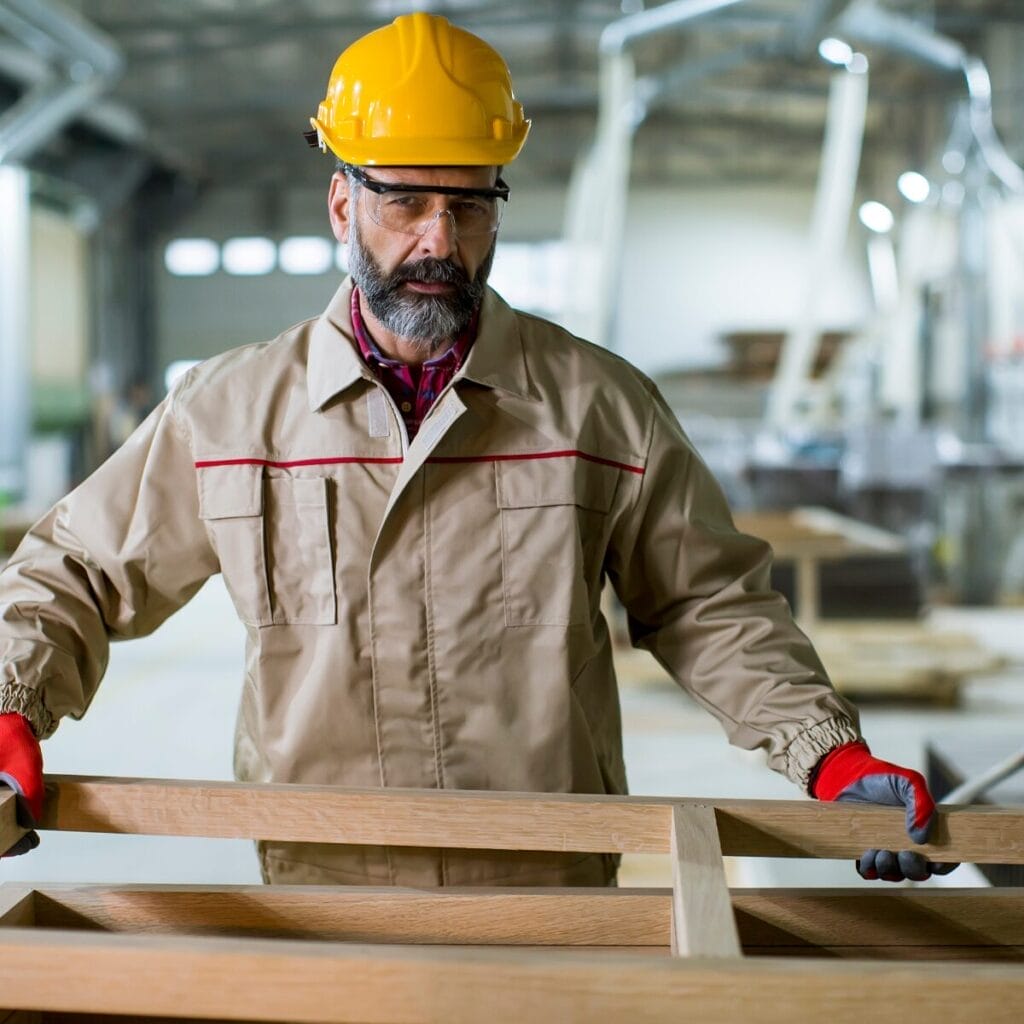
(392, 460)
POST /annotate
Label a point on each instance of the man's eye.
(405, 201)
(471, 208)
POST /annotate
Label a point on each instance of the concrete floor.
(167, 707)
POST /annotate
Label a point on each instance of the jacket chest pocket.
(273, 538)
(553, 514)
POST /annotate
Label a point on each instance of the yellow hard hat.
(420, 92)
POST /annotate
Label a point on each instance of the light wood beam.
(478, 916)
(876, 922)
(10, 830)
(512, 821)
(702, 920)
(896, 921)
(17, 905)
(261, 979)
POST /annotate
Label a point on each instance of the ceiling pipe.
(598, 192)
(88, 60)
(60, 34)
(867, 23)
(620, 35)
(833, 203)
(872, 25)
(109, 118)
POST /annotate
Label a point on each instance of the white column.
(15, 351)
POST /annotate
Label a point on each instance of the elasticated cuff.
(29, 704)
(810, 746)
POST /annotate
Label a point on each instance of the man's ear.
(339, 206)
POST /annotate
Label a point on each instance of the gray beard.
(425, 322)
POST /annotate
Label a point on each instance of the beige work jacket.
(424, 614)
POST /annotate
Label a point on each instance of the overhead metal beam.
(671, 17)
(86, 62)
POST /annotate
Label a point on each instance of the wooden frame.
(695, 951)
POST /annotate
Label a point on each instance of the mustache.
(430, 270)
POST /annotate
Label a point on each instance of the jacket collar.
(496, 359)
(334, 362)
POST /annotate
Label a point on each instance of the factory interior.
(803, 220)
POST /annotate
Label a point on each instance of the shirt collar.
(495, 359)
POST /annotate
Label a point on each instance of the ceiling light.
(249, 256)
(192, 257)
(305, 254)
(835, 51)
(876, 217)
(953, 161)
(914, 187)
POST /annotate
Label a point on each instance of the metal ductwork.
(87, 62)
(595, 220)
(84, 63)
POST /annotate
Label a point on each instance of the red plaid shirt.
(413, 388)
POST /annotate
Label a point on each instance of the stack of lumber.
(900, 660)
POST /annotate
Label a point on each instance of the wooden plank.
(702, 920)
(106, 1018)
(260, 979)
(908, 954)
(478, 916)
(895, 923)
(17, 905)
(877, 921)
(512, 821)
(10, 830)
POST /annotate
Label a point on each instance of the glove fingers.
(941, 868)
(888, 867)
(913, 865)
(28, 842)
(866, 865)
(893, 866)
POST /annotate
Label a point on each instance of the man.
(415, 500)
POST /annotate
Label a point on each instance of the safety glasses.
(414, 209)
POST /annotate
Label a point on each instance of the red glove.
(850, 773)
(21, 768)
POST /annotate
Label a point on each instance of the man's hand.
(850, 773)
(21, 768)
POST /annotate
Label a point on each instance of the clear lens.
(414, 213)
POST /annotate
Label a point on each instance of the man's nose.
(440, 238)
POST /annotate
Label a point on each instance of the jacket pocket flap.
(230, 492)
(559, 480)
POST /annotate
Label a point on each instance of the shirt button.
(406, 407)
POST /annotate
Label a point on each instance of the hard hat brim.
(422, 153)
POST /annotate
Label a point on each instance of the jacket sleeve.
(698, 597)
(112, 560)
